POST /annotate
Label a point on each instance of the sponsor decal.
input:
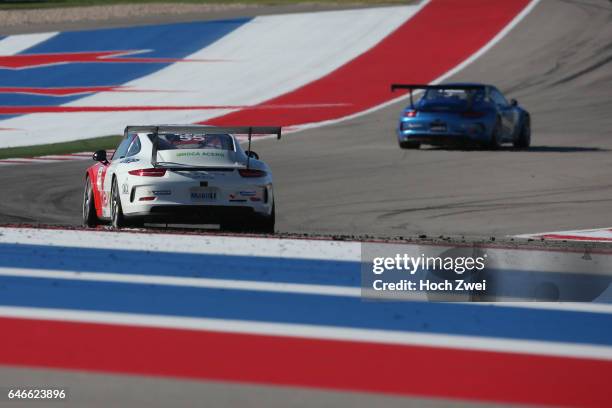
(129, 160)
(251, 193)
(100, 178)
(200, 154)
(202, 175)
(124, 188)
(105, 201)
(161, 192)
(234, 198)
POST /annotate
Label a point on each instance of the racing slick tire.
(409, 145)
(256, 224)
(117, 217)
(266, 225)
(495, 142)
(90, 218)
(524, 137)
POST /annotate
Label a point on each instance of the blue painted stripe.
(155, 263)
(501, 283)
(439, 318)
(164, 41)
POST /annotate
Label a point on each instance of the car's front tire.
(117, 217)
(409, 145)
(90, 218)
(524, 137)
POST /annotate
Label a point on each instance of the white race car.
(181, 175)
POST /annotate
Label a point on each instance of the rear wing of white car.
(154, 131)
(412, 87)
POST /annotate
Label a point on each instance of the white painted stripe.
(476, 343)
(281, 287)
(49, 158)
(578, 234)
(514, 259)
(266, 57)
(586, 307)
(20, 160)
(278, 287)
(230, 284)
(43, 159)
(15, 44)
(177, 243)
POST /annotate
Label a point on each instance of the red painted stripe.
(67, 91)
(61, 91)
(574, 237)
(61, 157)
(50, 158)
(15, 161)
(20, 61)
(438, 38)
(343, 365)
(22, 110)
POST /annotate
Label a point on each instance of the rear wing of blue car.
(154, 132)
(412, 87)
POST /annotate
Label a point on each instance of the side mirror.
(252, 154)
(100, 156)
(513, 102)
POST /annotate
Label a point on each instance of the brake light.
(155, 172)
(410, 113)
(251, 173)
(472, 114)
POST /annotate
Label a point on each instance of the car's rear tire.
(524, 137)
(495, 141)
(255, 223)
(266, 225)
(90, 218)
(117, 217)
(409, 145)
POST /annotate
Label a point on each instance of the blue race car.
(462, 114)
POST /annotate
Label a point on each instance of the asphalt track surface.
(101, 391)
(352, 178)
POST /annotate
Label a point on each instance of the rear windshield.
(453, 95)
(195, 141)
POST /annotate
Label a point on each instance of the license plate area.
(437, 127)
(203, 194)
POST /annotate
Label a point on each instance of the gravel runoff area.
(110, 12)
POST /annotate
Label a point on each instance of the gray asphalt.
(100, 390)
(351, 178)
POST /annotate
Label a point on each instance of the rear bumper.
(195, 214)
(456, 132)
(172, 196)
(441, 139)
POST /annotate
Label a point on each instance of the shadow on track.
(533, 149)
